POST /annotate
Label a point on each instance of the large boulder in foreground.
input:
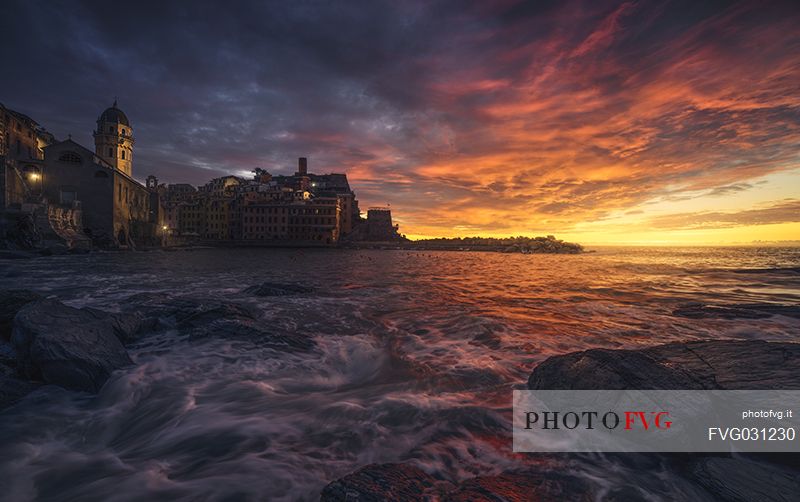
(717, 364)
(11, 301)
(61, 345)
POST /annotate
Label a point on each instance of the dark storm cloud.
(485, 115)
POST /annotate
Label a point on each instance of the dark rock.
(8, 356)
(740, 480)
(520, 486)
(278, 289)
(11, 301)
(237, 329)
(383, 482)
(127, 327)
(66, 346)
(186, 312)
(718, 364)
(742, 311)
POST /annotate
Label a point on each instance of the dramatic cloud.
(782, 212)
(486, 117)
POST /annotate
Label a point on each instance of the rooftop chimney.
(302, 166)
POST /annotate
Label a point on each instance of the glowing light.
(34, 176)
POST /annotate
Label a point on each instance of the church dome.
(114, 114)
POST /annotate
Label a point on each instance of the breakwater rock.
(73, 348)
(717, 364)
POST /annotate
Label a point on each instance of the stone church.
(116, 209)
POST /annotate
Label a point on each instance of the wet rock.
(383, 482)
(8, 356)
(185, 312)
(520, 486)
(237, 329)
(11, 301)
(66, 346)
(278, 289)
(718, 364)
(127, 327)
(740, 480)
(742, 311)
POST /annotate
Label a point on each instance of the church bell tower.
(113, 139)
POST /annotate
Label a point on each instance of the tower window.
(123, 154)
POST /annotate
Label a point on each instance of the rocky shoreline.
(717, 364)
(45, 342)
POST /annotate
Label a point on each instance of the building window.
(70, 157)
(123, 154)
(119, 193)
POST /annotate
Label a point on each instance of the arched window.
(70, 157)
(100, 174)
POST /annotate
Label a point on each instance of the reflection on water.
(416, 356)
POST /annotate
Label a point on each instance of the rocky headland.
(524, 245)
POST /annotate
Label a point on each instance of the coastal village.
(60, 193)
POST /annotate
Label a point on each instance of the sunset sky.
(601, 122)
